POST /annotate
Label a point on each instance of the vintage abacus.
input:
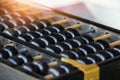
(41, 43)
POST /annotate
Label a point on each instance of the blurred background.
(103, 11)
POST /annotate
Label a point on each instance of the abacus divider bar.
(102, 37)
(78, 25)
(26, 8)
(52, 64)
(38, 57)
(63, 21)
(48, 17)
(114, 43)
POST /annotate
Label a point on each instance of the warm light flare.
(56, 3)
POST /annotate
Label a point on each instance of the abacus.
(41, 43)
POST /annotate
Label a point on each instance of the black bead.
(38, 43)
(58, 27)
(11, 50)
(112, 52)
(72, 43)
(44, 23)
(4, 54)
(50, 30)
(26, 57)
(57, 71)
(94, 47)
(66, 35)
(11, 32)
(42, 32)
(42, 67)
(87, 39)
(33, 35)
(87, 50)
(84, 60)
(24, 37)
(79, 41)
(96, 58)
(103, 44)
(16, 61)
(73, 32)
(67, 67)
(62, 46)
(48, 40)
(117, 48)
(104, 54)
(9, 23)
(56, 37)
(68, 54)
(53, 49)
(29, 67)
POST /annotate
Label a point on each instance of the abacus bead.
(15, 61)
(29, 67)
(41, 32)
(104, 55)
(67, 67)
(4, 54)
(44, 23)
(24, 37)
(73, 32)
(50, 30)
(79, 40)
(62, 46)
(42, 67)
(84, 60)
(87, 39)
(95, 47)
(72, 43)
(96, 58)
(57, 71)
(117, 48)
(87, 50)
(113, 52)
(103, 44)
(68, 54)
(11, 50)
(26, 57)
(53, 49)
(66, 34)
(38, 43)
(57, 27)
(33, 35)
(48, 40)
(11, 32)
(57, 38)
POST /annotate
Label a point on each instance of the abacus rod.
(27, 8)
(102, 37)
(114, 43)
(48, 17)
(63, 21)
(38, 57)
(73, 26)
(52, 63)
